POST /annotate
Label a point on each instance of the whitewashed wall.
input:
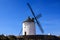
(29, 28)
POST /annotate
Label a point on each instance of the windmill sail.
(35, 18)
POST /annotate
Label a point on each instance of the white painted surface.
(29, 28)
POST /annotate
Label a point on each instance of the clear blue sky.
(14, 12)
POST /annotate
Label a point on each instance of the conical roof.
(29, 19)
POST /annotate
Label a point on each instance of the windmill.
(29, 24)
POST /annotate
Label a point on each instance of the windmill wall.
(29, 28)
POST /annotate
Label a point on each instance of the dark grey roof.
(29, 19)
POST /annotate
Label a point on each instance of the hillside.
(29, 37)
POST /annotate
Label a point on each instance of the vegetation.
(45, 37)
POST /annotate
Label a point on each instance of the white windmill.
(29, 24)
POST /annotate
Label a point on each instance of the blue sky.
(14, 12)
